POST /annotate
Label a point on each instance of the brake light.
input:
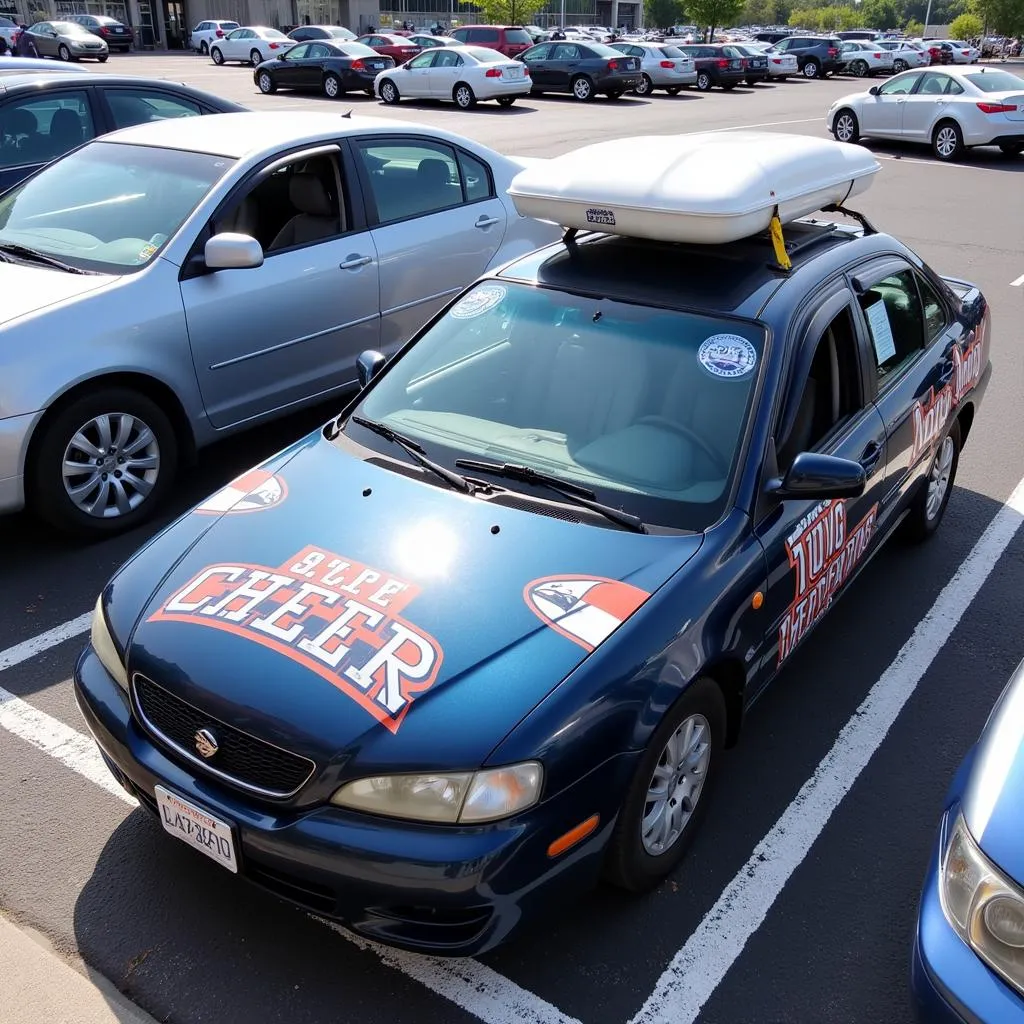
(833, 52)
(722, 63)
(274, 46)
(878, 56)
(966, 53)
(613, 65)
(358, 65)
(492, 73)
(104, 30)
(668, 64)
(997, 108)
(526, 71)
(220, 33)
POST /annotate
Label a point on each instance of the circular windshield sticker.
(727, 355)
(478, 301)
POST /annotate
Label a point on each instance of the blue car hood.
(993, 800)
(351, 613)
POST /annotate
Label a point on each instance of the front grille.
(241, 759)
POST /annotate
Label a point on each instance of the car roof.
(14, 81)
(253, 133)
(734, 279)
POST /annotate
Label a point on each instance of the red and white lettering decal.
(334, 616)
(823, 553)
(251, 492)
(586, 609)
(930, 415)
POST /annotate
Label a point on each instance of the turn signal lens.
(573, 836)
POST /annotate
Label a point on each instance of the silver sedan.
(664, 66)
(67, 40)
(172, 283)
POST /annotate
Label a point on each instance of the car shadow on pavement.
(186, 939)
(988, 157)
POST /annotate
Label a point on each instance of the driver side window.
(424, 60)
(829, 393)
(297, 52)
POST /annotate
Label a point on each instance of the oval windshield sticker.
(478, 301)
(727, 355)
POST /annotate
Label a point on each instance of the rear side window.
(36, 131)
(892, 309)
(476, 177)
(484, 35)
(410, 178)
(136, 106)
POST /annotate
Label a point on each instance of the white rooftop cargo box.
(708, 187)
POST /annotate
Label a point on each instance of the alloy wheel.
(581, 89)
(266, 83)
(111, 465)
(810, 69)
(676, 785)
(938, 479)
(255, 58)
(946, 141)
(845, 127)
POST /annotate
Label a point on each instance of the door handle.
(871, 455)
(354, 261)
(485, 222)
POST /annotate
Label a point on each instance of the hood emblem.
(206, 743)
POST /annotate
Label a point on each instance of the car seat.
(317, 217)
(65, 131)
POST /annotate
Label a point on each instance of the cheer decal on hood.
(334, 616)
(251, 492)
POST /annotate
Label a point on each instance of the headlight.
(456, 797)
(983, 906)
(104, 647)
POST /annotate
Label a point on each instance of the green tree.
(966, 26)
(1005, 17)
(712, 14)
(508, 12)
(759, 12)
(913, 29)
(662, 13)
(881, 14)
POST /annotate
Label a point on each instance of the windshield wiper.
(24, 252)
(576, 493)
(459, 482)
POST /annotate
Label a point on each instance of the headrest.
(433, 172)
(309, 196)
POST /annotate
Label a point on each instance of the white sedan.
(906, 55)
(863, 59)
(252, 44)
(462, 74)
(780, 64)
(948, 108)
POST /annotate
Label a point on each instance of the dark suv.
(716, 65)
(816, 56)
(509, 41)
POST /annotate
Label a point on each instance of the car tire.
(615, 94)
(463, 96)
(673, 90)
(859, 68)
(103, 59)
(899, 66)
(704, 82)
(948, 141)
(845, 126)
(63, 52)
(50, 490)
(691, 735)
(1012, 148)
(332, 87)
(582, 88)
(929, 505)
(255, 58)
(204, 49)
(389, 92)
(645, 86)
(728, 87)
(812, 69)
(216, 56)
(266, 83)
(506, 101)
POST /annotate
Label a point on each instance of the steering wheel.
(714, 456)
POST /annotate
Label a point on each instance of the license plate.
(191, 824)
(514, 72)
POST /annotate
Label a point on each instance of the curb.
(39, 987)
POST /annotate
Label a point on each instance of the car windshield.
(672, 51)
(485, 56)
(356, 50)
(644, 406)
(341, 33)
(271, 33)
(600, 50)
(108, 207)
(995, 81)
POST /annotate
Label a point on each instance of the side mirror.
(230, 251)
(368, 365)
(873, 91)
(815, 476)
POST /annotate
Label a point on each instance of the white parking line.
(1018, 282)
(763, 124)
(698, 968)
(471, 985)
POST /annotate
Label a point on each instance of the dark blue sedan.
(969, 946)
(436, 668)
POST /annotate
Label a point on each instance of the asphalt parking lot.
(796, 902)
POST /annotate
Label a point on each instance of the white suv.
(207, 31)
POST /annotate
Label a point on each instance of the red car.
(511, 41)
(398, 48)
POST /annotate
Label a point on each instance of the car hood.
(29, 290)
(994, 796)
(402, 625)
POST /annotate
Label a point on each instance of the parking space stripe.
(36, 645)
(763, 124)
(698, 968)
(469, 984)
(1018, 282)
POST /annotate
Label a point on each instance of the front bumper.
(950, 982)
(450, 891)
(14, 435)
